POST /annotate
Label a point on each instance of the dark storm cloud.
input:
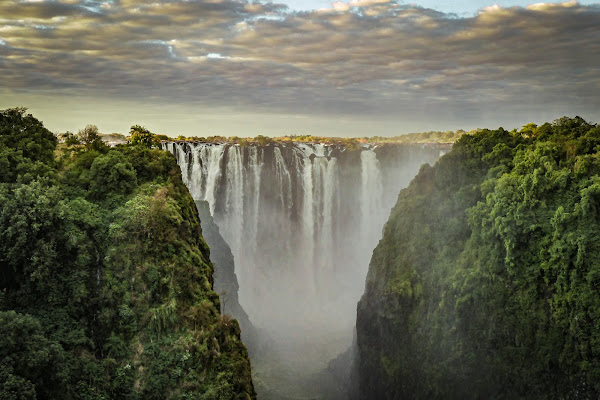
(363, 56)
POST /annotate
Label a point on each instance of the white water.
(372, 212)
(302, 222)
(308, 221)
(255, 166)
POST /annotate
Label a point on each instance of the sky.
(464, 8)
(345, 68)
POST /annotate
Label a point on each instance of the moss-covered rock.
(226, 283)
(106, 284)
(484, 284)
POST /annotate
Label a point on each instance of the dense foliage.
(349, 143)
(141, 136)
(24, 153)
(422, 137)
(486, 284)
(105, 279)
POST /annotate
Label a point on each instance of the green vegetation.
(350, 143)
(422, 137)
(90, 138)
(24, 154)
(141, 136)
(486, 284)
(105, 279)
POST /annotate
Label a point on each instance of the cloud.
(363, 56)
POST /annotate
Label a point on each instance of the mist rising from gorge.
(302, 221)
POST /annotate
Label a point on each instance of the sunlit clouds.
(379, 59)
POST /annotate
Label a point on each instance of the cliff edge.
(485, 284)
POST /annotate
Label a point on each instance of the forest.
(351, 143)
(105, 278)
(486, 284)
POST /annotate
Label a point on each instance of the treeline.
(446, 137)
(486, 284)
(91, 133)
(105, 279)
(264, 140)
(423, 137)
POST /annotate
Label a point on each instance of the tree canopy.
(26, 147)
(486, 281)
(105, 279)
(90, 138)
(141, 136)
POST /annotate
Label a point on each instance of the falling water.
(372, 212)
(302, 221)
(211, 159)
(232, 218)
(255, 166)
(307, 220)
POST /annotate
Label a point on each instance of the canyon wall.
(302, 221)
(485, 283)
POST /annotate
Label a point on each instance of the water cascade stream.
(302, 221)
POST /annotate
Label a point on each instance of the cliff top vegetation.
(486, 281)
(437, 137)
(447, 137)
(105, 278)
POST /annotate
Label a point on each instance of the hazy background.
(366, 67)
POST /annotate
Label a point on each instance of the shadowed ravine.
(302, 221)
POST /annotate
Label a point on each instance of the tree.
(87, 257)
(528, 130)
(26, 147)
(141, 136)
(29, 218)
(263, 140)
(71, 139)
(90, 137)
(31, 366)
(111, 174)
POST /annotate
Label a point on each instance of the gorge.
(485, 284)
(302, 220)
(299, 200)
(116, 282)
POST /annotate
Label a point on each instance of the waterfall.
(308, 220)
(325, 172)
(372, 213)
(211, 158)
(284, 182)
(182, 161)
(232, 219)
(255, 165)
(301, 220)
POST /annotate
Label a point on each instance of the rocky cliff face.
(301, 221)
(225, 279)
(484, 284)
(106, 285)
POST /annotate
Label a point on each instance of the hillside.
(485, 284)
(105, 279)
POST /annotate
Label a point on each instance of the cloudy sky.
(346, 68)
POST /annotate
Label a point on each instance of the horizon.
(299, 138)
(340, 69)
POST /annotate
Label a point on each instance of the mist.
(302, 221)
